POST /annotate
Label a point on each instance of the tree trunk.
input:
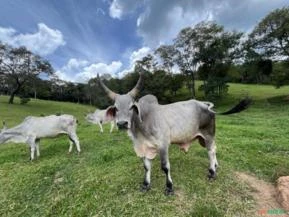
(11, 99)
(193, 91)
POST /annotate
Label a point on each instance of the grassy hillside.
(104, 179)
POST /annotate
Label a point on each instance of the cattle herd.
(152, 128)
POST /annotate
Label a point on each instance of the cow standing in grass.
(99, 117)
(32, 129)
(153, 127)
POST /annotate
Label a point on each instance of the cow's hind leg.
(147, 179)
(165, 164)
(37, 142)
(73, 138)
(32, 144)
(211, 147)
(70, 146)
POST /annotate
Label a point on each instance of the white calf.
(99, 117)
(32, 129)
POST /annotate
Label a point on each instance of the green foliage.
(271, 36)
(257, 71)
(214, 88)
(24, 100)
(176, 83)
(280, 75)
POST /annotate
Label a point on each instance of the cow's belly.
(182, 138)
(42, 133)
(182, 134)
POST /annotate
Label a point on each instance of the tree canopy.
(19, 65)
(271, 35)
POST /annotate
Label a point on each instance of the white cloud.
(115, 10)
(139, 54)
(43, 42)
(100, 11)
(160, 21)
(119, 8)
(6, 34)
(82, 71)
(135, 56)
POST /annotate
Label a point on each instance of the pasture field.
(104, 180)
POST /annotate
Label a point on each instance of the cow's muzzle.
(122, 125)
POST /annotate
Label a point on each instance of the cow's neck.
(14, 137)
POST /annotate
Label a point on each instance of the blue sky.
(83, 38)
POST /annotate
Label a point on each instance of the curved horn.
(136, 89)
(110, 93)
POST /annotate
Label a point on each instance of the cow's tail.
(210, 106)
(241, 106)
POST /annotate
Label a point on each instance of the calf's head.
(123, 107)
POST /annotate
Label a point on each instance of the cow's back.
(48, 126)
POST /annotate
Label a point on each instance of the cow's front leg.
(32, 145)
(147, 179)
(165, 164)
(100, 126)
(111, 126)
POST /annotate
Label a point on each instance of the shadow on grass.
(279, 100)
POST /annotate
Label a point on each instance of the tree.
(256, 68)
(19, 65)
(280, 75)
(270, 39)
(147, 63)
(271, 36)
(185, 56)
(168, 55)
(176, 83)
(215, 50)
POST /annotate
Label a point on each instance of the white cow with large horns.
(153, 127)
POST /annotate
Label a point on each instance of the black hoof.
(169, 192)
(212, 174)
(145, 188)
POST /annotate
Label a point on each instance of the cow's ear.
(110, 112)
(135, 107)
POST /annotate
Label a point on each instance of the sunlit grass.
(105, 179)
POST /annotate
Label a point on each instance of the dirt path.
(264, 194)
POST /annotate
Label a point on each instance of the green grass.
(104, 179)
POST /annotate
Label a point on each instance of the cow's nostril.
(122, 124)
